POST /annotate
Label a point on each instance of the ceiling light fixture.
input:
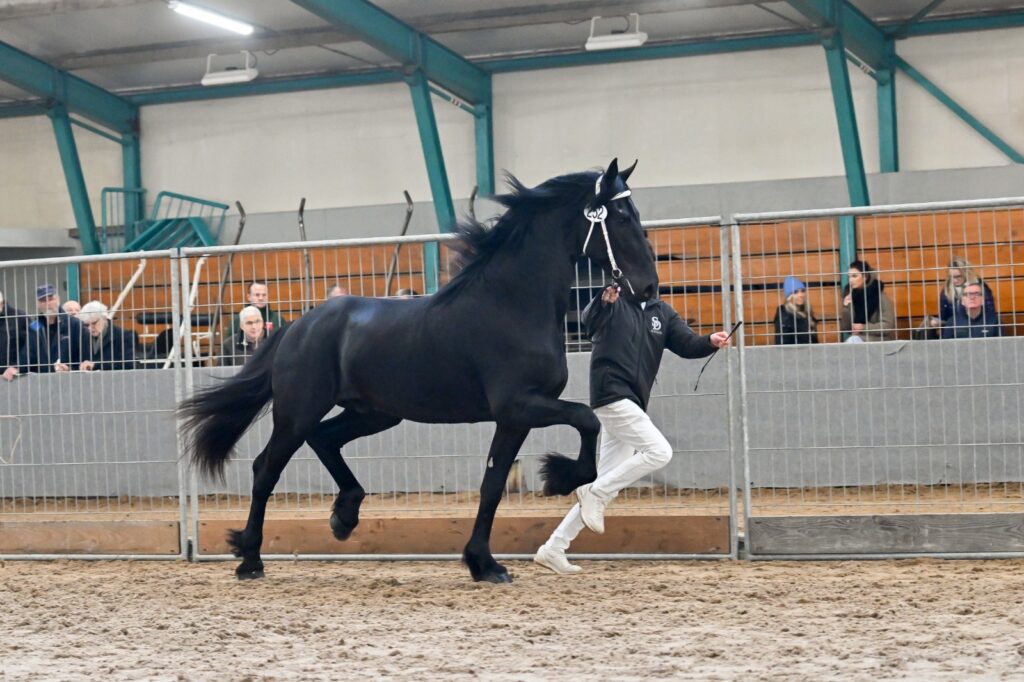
(209, 17)
(631, 37)
(231, 74)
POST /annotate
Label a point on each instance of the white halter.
(599, 214)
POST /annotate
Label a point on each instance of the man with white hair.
(109, 346)
(242, 344)
(14, 335)
(72, 307)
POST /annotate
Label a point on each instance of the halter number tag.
(597, 214)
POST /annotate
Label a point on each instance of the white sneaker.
(591, 509)
(554, 559)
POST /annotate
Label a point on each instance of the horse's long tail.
(216, 417)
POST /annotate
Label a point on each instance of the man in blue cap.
(57, 340)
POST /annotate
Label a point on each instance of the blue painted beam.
(888, 130)
(398, 40)
(863, 38)
(266, 87)
(687, 49)
(76, 95)
(75, 179)
(483, 122)
(936, 92)
(432, 154)
(131, 167)
(988, 22)
(901, 29)
(846, 118)
(19, 110)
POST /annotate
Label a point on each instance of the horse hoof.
(498, 578)
(340, 529)
(250, 575)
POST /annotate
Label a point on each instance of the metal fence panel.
(88, 457)
(875, 449)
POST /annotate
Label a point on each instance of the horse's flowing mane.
(478, 241)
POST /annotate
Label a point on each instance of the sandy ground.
(915, 619)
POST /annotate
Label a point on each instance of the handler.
(628, 344)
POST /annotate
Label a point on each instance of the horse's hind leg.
(266, 469)
(477, 555)
(327, 440)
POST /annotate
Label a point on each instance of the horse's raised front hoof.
(250, 571)
(341, 529)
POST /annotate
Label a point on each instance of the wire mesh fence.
(928, 423)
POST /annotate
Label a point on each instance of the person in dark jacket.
(56, 340)
(629, 341)
(794, 321)
(259, 298)
(14, 335)
(971, 319)
(109, 347)
(240, 347)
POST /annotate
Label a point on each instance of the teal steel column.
(846, 118)
(131, 163)
(434, 158)
(964, 115)
(75, 180)
(73, 275)
(888, 138)
(484, 123)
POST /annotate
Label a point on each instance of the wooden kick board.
(510, 535)
(89, 537)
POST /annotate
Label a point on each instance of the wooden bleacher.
(910, 252)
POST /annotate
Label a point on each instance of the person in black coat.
(794, 321)
(109, 347)
(55, 338)
(14, 335)
(629, 341)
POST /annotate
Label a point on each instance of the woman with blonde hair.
(794, 321)
(959, 273)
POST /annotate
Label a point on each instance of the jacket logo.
(655, 325)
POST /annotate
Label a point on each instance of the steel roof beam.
(860, 35)
(78, 96)
(414, 50)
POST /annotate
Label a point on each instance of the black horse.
(488, 346)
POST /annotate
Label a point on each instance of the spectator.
(259, 299)
(794, 321)
(336, 291)
(971, 319)
(961, 271)
(72, 307)
(867, 312)
(14, 336)
(238, 348)
(56, 342)
(109, 347)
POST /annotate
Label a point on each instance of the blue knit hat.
(791, 285)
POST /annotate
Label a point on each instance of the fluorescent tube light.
(212, 18)
(230, 74)
(616, 41)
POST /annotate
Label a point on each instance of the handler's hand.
(720, 339)
(611, 294)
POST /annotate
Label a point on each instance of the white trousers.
(631, 447)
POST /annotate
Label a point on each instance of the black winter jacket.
(628, 345)
(115, 350)
(14, 338)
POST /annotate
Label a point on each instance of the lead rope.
(597, 215)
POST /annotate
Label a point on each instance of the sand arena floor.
(915, 619)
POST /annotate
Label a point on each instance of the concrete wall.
(749, 131)
(944, 412)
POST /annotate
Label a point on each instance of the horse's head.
(613, 238)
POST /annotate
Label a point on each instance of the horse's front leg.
(477, 554)
(561, 474)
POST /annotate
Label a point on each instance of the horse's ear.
(608, 179)
(629, 171)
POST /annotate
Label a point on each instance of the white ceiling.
(136, 45)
